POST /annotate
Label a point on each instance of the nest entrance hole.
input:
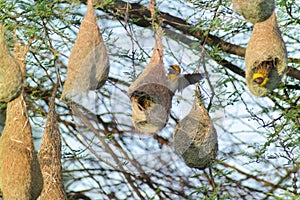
(144, 100)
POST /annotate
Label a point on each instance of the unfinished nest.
(10, 73)
(195, 138)
(88, 66)
(266, 58)
(151, 99)
(254, 11)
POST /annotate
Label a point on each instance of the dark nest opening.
(144, 100)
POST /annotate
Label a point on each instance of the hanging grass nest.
(151, 99)
(195, 138)
(254, 11)
(50, 157)
(10, 73)
(88, 66)
(20, 173)
(266, 58)
(150, 95)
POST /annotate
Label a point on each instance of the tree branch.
(141, 15)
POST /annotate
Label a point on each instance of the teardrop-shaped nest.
(50, 156)
(151, 99)
(10, 73)
(266, 50)
(254, 11)
(195, 138)
(88, 66)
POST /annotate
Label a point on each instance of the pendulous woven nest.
(150, 95)
(254, 11)
(265, 46)
(88, 66)
(151, 99)
(50, 157)
(20, 173)
(195, 138)
(10, 73)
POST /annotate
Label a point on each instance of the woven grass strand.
(254, 11)
(195, 138)
(265, 45)
(88, 66)
(10, 73)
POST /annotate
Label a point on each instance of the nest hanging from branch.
(10, 73)
(151, 100)
(88, 66)
(50, 156)
(254, 11)
(150, 95)
(20, 173)
(266, 58)
(195, 138)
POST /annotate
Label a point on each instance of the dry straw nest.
(265, 46)
(151, 99)
(20, 171)
(10, 73)
(150, 94)
(50, 156)
(88, 66)
(195, 138)
(254, 10)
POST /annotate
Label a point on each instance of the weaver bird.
(178, 81)
(262, 73)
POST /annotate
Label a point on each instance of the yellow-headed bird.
(262, 73)
(178, 81)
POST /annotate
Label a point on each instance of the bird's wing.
(188, 79)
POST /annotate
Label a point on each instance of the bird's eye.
(258, 80)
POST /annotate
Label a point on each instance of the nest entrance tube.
(195, 138)
(266, 58)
